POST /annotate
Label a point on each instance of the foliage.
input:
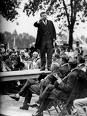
(8, 9)
(62, 8)
(68, 12)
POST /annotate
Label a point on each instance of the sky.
(25, 24)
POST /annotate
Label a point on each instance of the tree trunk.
(70, 38)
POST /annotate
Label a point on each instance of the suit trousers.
(46, 49)
(31, 86)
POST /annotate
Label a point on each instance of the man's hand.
(58, 83)
(42, 80)
(59, 80)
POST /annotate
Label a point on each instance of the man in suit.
(73, 86)
(66, 90)
(46, 35)
(31, 86)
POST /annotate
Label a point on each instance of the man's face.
(12, 56)
(35, 55)
(2, 50)
(60, 61)
(76, 53)
(43, 16)
(53, 57)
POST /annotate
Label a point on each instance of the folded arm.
(68, 86)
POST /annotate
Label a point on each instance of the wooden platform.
(20, 75)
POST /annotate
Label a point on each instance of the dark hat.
(42, 13)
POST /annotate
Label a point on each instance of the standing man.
(45, 37)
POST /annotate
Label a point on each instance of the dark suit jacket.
(74, 86)
(40, 32)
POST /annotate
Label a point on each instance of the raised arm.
(36, 24)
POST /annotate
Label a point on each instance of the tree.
(8, 8)
(76, 6)
(70, 11)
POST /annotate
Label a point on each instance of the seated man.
(81, 102)
(55, 59)
(31, 86)
(36, 64)
(61, 70)
(62, 89)
(79, 105)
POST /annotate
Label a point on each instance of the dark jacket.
(61, 71)
(74, 85)
(41, 31)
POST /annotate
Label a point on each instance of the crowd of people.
(14, 60)
(63, 65)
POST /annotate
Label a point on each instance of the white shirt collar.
(45, 22)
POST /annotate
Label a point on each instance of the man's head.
(43, 15)
(13, 56)
(35, 55)
(55, 57)
(64, 59)
(56, 70)
(76, 52)
(2, 48)
(77, 43)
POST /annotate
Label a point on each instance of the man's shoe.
(14, 97)
(24, 107)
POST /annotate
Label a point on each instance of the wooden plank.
(21, 75)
